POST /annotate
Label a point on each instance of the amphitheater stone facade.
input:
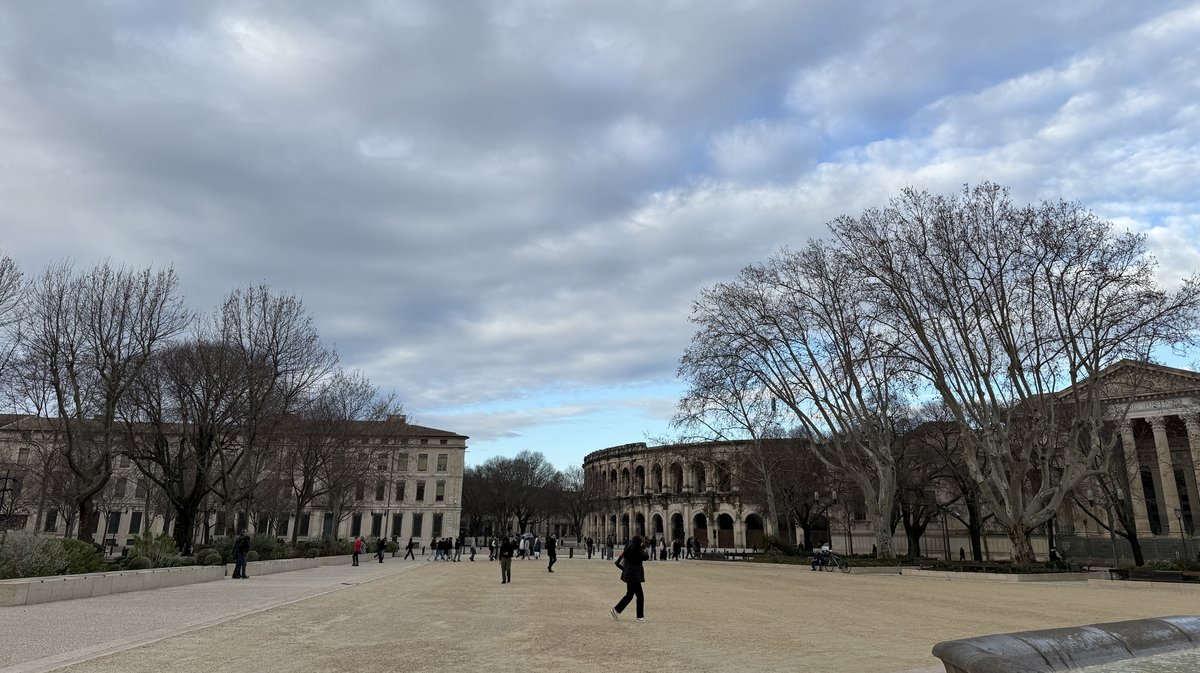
(675, 491)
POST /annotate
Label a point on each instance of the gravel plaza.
(425, 616)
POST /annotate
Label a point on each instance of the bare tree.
(575, 499)
(726, 402)
(1007, 310)
(91, 334)
(327, 450)
(277, 345)
(801, 327)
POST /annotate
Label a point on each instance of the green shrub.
(393, 547)
(252, 555)
(139, 563)
(315, 552)
(27, 554)
(81, 557)
(223, 546)
(160, 551)
(211, 557)
(268, 547)
(778, 544)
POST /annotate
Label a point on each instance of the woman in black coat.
(632, 574)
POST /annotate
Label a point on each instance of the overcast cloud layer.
(502, 210)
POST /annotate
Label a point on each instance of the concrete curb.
(996, 577)
(33, 590)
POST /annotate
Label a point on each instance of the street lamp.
(1179, 521)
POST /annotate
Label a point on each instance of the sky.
(502, 210)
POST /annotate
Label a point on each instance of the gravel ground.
(705, 617)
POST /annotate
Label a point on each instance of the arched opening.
(612, 483)
(700, 529)
(657, 522)
(624, 529)
(625, 485)
(640, 486)
(611, 533)
(656, 478)
(676, 478)
(640, 525)
(724, 478)
(698, 478)
(677, 527)
(754, 531)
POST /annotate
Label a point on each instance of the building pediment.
(1138, 382)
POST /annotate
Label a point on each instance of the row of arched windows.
(673, 479)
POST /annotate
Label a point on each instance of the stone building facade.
(415, 490)
(670, 492)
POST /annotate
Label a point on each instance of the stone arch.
(677, 529)
(724, 477)
(699, 478)
(700, 528)
(612, 528)
(656, 478)
(639, 486)
(625, 482)
(639, 525)
(676, 478)
(624, 537)
(754, 531)
(612, 482)
(656, 526)
(725, 530)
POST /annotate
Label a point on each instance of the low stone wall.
(996, 577)
(32, 590)
(254, 568)
(1062, 649)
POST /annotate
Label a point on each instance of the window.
(416, 528)
(424, 440)
(437, 525)
(283, 526)
(114, 522)
(377, 525)
(304, 520)
(443, 459)
(124, 462)
(356, 524)
(420, 491)
(51, 521)
(380, 490)
(442, 441)
(140, 491)
(327, 524)
(439, 492)
(399, 491)
(119, 487)
(423, 462)
(22, 455)
(397, 523)
(135, 523)
(360, 492)
(402, 462)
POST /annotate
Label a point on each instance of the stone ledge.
(32, 590)
(996, 577)
(280, 566)
(1069, 648)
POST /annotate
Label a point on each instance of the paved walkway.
(49, 636)
(425, 617)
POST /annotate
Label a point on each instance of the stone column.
(1133, 471)
(739, 532)
(1192, 421)
(1166, 471)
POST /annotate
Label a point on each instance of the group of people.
(509, 546)
(360, 546)
(655, 548)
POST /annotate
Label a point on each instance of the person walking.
(551, 543)
(471, 544)
(241, 547)
(633, 574)
(380, 548)
(358, 549)
(506, 557)
(408, 550)
(458, 549)
(588, 541)
(537, 548)
(653, 548)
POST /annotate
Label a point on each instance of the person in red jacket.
(358, 548)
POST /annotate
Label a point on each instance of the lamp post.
(1182, 539)
(1087, 539)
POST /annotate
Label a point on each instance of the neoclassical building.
(413, 490)
(671, 492)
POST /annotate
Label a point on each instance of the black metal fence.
(1102, 550)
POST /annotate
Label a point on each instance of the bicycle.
(836, 562)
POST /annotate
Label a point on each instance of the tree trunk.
(975, 530)
(1022, 547)
(185, 526)
(88, 520)
(1136, 545)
